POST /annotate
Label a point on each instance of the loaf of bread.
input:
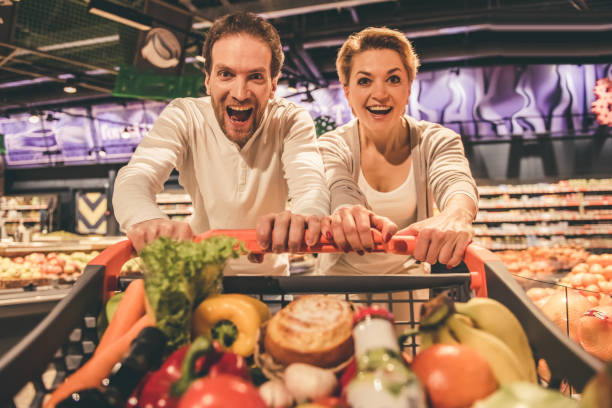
(314, 329)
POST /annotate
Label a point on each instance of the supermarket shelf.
(186, 211)
(558, 204)
(173, 198)
(84, 245)
(516, 247)
(24, 207)
(13, 220)
(17, 302)
(490, 233)
(483, 191)
(545, 218)
(574, 212)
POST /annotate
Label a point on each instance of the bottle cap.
(372, 311)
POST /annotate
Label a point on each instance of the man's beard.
(241, 137)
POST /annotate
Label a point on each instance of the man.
(240, 153)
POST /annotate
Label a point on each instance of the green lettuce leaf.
(181, 274)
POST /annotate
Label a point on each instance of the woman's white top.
(385, 204)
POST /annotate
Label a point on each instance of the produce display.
(40, 269)
(582, 300)
(573, 288)
(542, 261)
(471, 354)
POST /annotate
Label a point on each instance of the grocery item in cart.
(314, 329)
(382, 379)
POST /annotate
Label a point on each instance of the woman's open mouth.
(379, 110)
(239, 114)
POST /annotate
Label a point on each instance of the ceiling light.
(70, 89)
(34, 118)
(120, 14)
(125, 134)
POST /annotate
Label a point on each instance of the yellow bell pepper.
(245, 312)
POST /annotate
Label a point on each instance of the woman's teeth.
(239, 113)
(379, 110)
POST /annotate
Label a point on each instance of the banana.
(502, 360)
(426, 338)
(444, 335)
(494, 318)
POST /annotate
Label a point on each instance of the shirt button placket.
(243, 176)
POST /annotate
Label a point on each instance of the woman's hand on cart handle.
(442, 238)
(350, 228)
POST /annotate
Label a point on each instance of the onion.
(275, 394)
(305, 381)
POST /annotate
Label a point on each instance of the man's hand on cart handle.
(148, 231)
(286, 232)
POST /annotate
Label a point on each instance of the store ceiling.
(58, 41)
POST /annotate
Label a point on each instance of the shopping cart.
(67, 337)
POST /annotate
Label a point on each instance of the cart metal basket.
(67, 337)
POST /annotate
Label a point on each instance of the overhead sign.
(161, 49)
(121, 127)
(48, 139)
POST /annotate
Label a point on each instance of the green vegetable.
(107, 312)
(111, 305)
(181, 274)
(526, 395)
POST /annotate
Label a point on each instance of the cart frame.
(487, 276)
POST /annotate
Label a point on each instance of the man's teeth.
(239, 108)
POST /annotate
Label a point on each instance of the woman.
(386, 163)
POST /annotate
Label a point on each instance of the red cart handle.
(475, 257)
(398, 244)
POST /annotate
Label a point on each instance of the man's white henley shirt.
(231, 187)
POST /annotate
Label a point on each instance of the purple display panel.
(119, 128)
(55, 138)
(329, 101)
(495, 102)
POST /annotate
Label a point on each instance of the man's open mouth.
(239, 114)
(379, 110)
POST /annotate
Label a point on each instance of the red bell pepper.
(222, 391)
(203, 357)
(156, 390)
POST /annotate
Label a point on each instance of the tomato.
(222, 391)
(454, 375)
(331, 402)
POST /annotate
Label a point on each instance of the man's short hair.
(245, 23)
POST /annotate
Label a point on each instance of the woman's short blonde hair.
(376, 38)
